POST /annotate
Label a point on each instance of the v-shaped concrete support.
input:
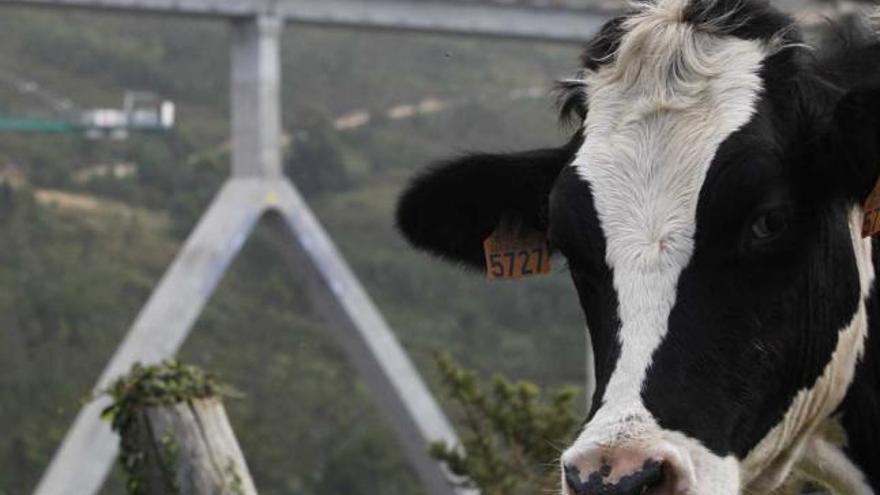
(258, 187)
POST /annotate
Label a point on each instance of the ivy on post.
(175, 437)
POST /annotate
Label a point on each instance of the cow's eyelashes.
(770, 225)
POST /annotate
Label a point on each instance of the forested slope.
(73, 274)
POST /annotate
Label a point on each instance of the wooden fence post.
(175, 436)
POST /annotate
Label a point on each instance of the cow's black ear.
(455, 205)
(854, 143)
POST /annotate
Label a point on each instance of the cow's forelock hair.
(667, 50)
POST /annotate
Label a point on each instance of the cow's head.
(709, 208)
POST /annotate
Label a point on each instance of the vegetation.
(75, 270)
(512, 434)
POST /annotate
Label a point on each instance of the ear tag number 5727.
(515, 252)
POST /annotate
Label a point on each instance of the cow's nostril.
(573, 480)
(647, 481)
(641, 482)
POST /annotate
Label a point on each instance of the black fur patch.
(601, 49)
(744, 19)
(752, 327)
(576, 233)
(571, 99)
(860, 411)
(753, 324)
(845, 47)
(571, 93)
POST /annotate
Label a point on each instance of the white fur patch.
(771, 461)
(826, 463)
(657, 117)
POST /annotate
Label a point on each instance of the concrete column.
(257, 185)
(395, 384)
(256, 97)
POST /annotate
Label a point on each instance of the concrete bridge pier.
(257, 187)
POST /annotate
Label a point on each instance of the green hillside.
(79, 257)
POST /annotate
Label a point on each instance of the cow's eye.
(770, 225)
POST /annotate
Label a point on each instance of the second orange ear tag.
(514, 252)
(871, 223)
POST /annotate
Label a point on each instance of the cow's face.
(709, 210)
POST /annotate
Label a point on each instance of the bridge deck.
(526, 21)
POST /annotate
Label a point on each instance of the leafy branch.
(511, 433)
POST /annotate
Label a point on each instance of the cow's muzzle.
(621, 471)
(641, 482)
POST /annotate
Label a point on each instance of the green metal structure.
(38, 125)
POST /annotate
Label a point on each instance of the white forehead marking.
(657, 115)
(645, 156)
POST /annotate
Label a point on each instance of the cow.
(710, 205)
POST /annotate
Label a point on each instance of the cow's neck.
(860, 411)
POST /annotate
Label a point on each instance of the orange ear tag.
(514, 252)
(871, 225)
